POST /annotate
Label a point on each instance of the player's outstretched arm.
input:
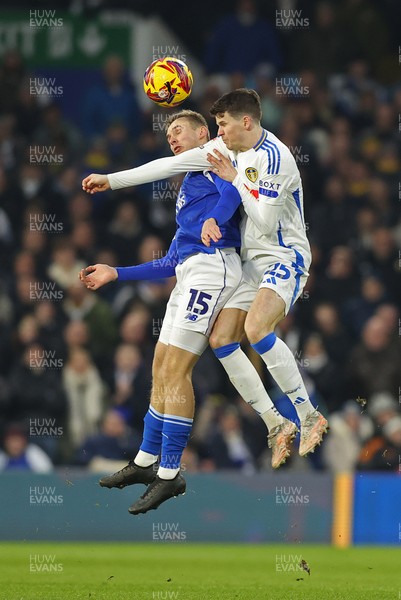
(95, 183)
(191, 160)
(95, 276)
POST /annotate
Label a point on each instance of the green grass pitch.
(183, 571)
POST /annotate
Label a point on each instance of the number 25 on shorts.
(279, 271)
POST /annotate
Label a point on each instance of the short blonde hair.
(195, 118)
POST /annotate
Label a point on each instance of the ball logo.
(252, 174)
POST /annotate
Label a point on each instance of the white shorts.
(204, 284)
(287, 280)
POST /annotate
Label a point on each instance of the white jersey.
(270, 186)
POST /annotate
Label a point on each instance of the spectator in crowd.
(18, 454)
(35, 386)
(125, 233)
(389, 315)
(115, 442)
(382, 452)
(384, 258)
(325, 34)
(64, 265)
(382, 407)
(340, 280)
(334, 336)
(62, 136)
(134, 329)
(332, 220)
(80, 304)
(85, 392)
(83, 237)
(130, 385)
(113, 101)
(227, 447)
(76, 335)
(326, 376)
(259, 44)
(12, 73)
(50, 322)
(357, 311)
(349, 430)
(374, 362)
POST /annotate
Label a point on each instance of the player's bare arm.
(95, 276)
(95, 183)
(222, 166)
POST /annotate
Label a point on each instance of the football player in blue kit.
(206, 278)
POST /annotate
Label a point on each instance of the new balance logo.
(191, 317)
(299, 400)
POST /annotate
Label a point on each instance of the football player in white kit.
(274, 250)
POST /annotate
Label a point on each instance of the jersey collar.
(261, 140)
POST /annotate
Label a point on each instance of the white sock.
(272, 418)
(247, 382)
(164, 473)
(284, 370)
(144, 459)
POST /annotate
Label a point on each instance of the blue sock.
(265, 344)
(152, 432)
(176, 432)
(225, 351)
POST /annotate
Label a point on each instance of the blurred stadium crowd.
(75, 366)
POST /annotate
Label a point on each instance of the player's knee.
(255, 330)
(219, 338)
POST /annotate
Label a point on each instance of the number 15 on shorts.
(198, 302)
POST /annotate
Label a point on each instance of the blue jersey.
(200, 198)
(197, 201)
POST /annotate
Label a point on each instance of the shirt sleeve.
(160, 268)
(191, 160)
(230, 200)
